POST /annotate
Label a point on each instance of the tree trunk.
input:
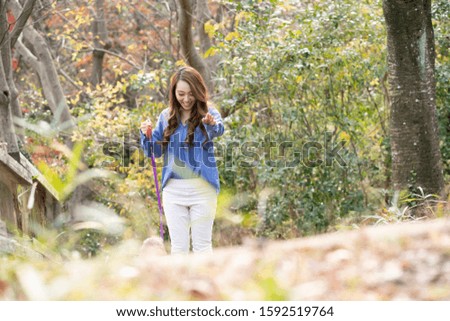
(416, 158)
(42, 63)
(21, 21)
(100, 41)
(7, 133)
(187, 44)
(14, 106)
(203, 16)
(7, 59)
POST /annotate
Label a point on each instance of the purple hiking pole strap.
(158, 195)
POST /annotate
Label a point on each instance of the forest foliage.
(303, 91)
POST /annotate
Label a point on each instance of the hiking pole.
(155, 176)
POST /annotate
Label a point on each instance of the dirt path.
(396, 262)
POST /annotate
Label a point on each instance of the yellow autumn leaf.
(210, 52)
(232, 35)
(180, 63)
(242, 16)
(210, 29)
(74, 100)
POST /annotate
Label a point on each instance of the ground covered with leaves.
(407, 261)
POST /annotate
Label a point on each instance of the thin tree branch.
(72, 82)
(151, 26)
(120, 57)
(30, 59)
(21, 21)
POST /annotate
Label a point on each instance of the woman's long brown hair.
(199, 110)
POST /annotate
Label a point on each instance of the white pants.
(189, 205)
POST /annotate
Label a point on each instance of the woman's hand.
(209, 120)
(145, 125)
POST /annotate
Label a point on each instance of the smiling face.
(184, 96)
(188, 95)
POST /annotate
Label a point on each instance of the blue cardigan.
(180, 160)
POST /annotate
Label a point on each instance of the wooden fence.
(26, 198)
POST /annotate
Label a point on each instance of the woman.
(190, 180)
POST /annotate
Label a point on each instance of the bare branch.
(72, 82)
(151, 26)
(120, 57)
(21, 21)
(27, 55)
